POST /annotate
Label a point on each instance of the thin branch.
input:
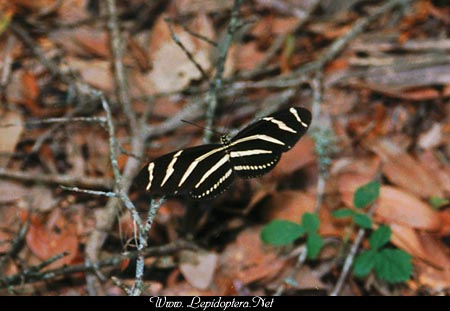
(16, 244)
(33, 274)
(185, 50)
(351, 256)
(117, 49)
(216, 84)
(279, 41)
(348, 262)
(70, 181)
(194, 34)
(88, 191)
(31, 44)
(66, 120)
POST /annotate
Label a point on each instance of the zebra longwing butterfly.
(208, 170)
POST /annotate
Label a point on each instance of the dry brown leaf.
(248, 56)
(407, 238)
(11, 128)
(198, 267)
(72, 11)
(95, 72)
(349, 182)
(11, 191)
(396, 205)
(421, 245)
(431, 138)
(437, 168)
(291, 205)
(37, 5)
(403, 170)
(46, 242)
(302, 154)
(436, 279)
(248, 260)
(206, 6)
(172, 69)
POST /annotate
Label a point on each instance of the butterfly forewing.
(258, 147)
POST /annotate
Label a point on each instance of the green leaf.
(343, 212)
(393, 265)
(281, 232)
(314, 243)
(380, 237)
(364, 263)
(362, 220)
(437, 202)
(310, 222)
(367, 194)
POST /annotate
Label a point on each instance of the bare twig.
(351, 256)
(34, 274)
(7, 65)
(279, 41)
(216, 84)
(117, 48)
(50, 65)
(348, 262)
(194, 34)
(70, 181)
(185, 50)
(16, 244)
(66, 120)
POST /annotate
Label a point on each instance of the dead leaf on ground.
(11, 129)
(207, 6)
(11, 190)
(396, 205)
(291, 205)
(46, 241)
(436, 279)
(405, 171)
(248, 56)
(172, 69)
(198, 267)
(95, 72)
(431, 138)
(248, 259)
(438, 169)
(302, 154)
(393, 205)
(85, 41)
(421, 245)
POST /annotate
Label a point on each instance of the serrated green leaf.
(343, 212)
(281, 232)
(310, 222)
(362, 220)
(393, 265)
(314, 243)
(380, 237)
(364, 263)
(437, 202)
(367, 194)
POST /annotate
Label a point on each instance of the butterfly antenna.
(202, 127)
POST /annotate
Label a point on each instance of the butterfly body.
(208, 170)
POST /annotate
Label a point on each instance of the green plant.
(364, 196)
(390, 265)
(282, 232)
